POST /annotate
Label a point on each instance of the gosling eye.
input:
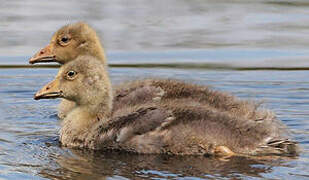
(64, 40)
(71, 75)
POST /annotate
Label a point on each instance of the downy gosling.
(180, 126)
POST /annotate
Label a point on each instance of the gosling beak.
(49, 91)
(43, 56)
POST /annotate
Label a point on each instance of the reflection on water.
(201, 41)
(94, 165)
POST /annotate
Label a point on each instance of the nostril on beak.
(42, 51)
(47, 88)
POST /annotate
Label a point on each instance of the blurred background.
(254, 49)
(249, 32)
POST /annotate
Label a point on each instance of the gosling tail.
(280, 147)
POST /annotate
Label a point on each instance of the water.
(253, 49)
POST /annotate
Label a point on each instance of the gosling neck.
(100, 109)
(97, 104)
(95, 49)
(100, 54)
(79, 123)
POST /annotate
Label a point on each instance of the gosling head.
(84, 81)
(68, 43)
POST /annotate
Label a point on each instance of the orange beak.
(49, 91)
(44, 55)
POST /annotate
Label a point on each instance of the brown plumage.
(142, 91)
(150, 117)
(80, 39)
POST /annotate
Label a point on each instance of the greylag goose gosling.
(171, 126)
(67, 44)
(78, 39)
